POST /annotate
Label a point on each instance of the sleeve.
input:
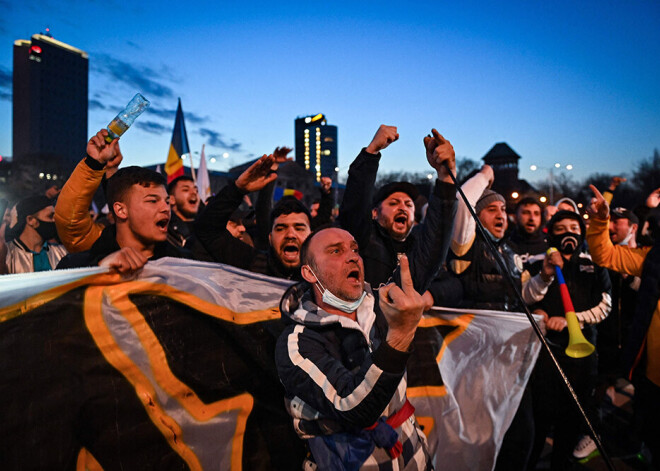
(211, 229)
(262, 211)
(324, 213)
(429, 250)
(446, 289)
(602, 290)
(464, 225)
(357, 398)
(355, 209)
(534, 288)
(75, 226)
(618, 258)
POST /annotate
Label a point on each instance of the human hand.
(616, 181)
(556, 323)
(429, 302)
(402, 308)
(258, 175)
(107, 154)
(552, 259)
(487, 171)
(125, 261)
(440, 155)
(653, 199)
(383, 138)
(550, 211)
(598, 208)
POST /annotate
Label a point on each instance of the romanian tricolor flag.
(178, 147)
(280, 193)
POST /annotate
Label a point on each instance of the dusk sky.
(569, 82)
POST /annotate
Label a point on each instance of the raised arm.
(355, 209)
(75, 227)
(619, 258)
(464, 225)
(429, 249)
(211, 224)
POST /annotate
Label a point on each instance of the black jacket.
(212, 234)
(378, 250)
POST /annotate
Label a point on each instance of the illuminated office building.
(50, 99)
(316, 146)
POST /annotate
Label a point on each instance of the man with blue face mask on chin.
(342, 355)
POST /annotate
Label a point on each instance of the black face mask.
(46, 230)
(567, 243)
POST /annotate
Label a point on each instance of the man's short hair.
(289, 205)
(306, 257)
(172, 185)
(122, 181)
(527, 201)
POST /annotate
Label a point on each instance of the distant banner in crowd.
(175, 370)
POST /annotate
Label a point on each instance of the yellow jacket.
(627, 260)
(75, 226)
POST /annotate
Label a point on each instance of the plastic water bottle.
(125, 118)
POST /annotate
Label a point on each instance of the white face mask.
(330, 299)
(626, 241)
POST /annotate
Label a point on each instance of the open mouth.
(162, 224)
(290, 252)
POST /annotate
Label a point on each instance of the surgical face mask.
(567, 243)
(46, 230)
(330, 299)
(626, 240)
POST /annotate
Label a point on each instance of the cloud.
(5, 77)
(152, 127)
(96, 105)
(140, 77)
(5, 84)
(215, 140)
(134, 45)
(189, 116)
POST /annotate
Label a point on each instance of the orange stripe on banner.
(145, 391)
(119, 297)
(42, 298)
(461, 322)
(426, 423)
(87, 462)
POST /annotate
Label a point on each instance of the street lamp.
(551, 177)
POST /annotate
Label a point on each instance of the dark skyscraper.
(50, 104)
(316, 146)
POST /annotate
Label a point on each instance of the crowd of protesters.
(610, 262)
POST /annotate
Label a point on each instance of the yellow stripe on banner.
(461, 322)
(42, 298)
(174, 161)
(119, 297)
(87, 462)
(144, 389)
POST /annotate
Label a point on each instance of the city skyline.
(574, 84)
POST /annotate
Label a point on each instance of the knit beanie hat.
(486, 198)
